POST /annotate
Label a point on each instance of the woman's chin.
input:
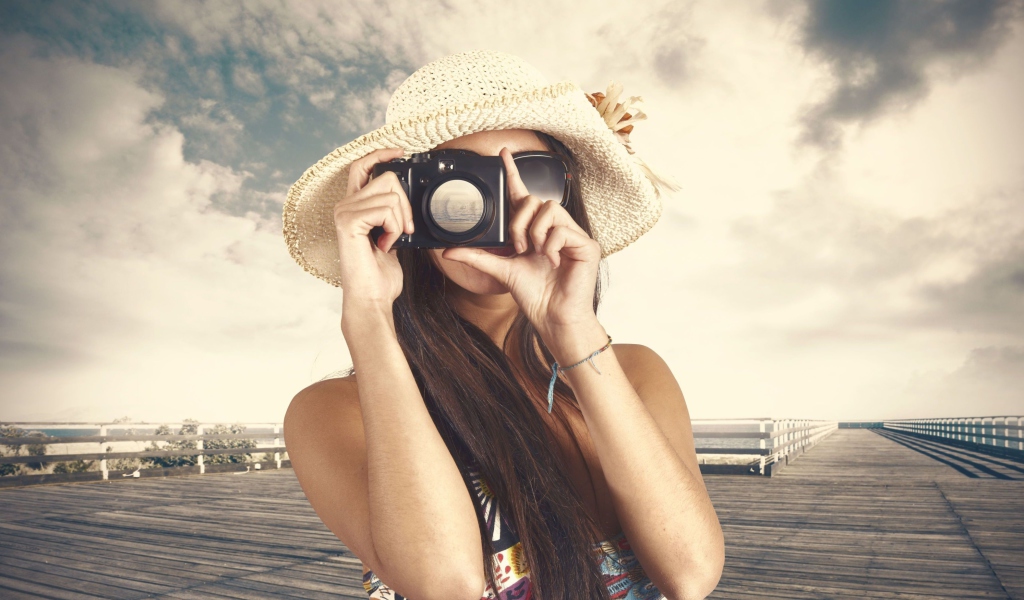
(483, 284)
(466, 277)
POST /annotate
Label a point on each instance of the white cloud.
(988, 383)
(213, 126)
(775, 284)
(248, 80)
(322, 99)
(124, 290)
(802, 287)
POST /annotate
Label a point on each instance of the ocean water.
(140, 430)
(725, 442)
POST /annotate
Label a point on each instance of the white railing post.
(103, 461)
(199, 446)
(761, 445)
(277, 442)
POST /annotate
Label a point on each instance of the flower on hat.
(616, 114)
(620, 120)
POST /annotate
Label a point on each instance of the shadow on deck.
(861, 515)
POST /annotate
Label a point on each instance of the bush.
(74, 466)
(228, 458)
(188, 427)
(123, 464)
(10, 431)
(191, 427)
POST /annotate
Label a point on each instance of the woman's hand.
(552, 277)
(371, 273)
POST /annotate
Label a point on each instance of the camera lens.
(456, 206)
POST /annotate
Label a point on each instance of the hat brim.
(621, 202)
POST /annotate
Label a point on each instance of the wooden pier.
(865, 513)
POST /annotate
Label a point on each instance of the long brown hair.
(488, 415)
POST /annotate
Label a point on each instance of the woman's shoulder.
(639, 362)
(333, 386)
(635, 356)
(323, 396)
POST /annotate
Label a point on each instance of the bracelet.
(555, 368)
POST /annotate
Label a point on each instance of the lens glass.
(456, 206)
(543, 176)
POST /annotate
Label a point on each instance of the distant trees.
(191, 427)
(74, 466)
(123, 464)
(188, 427)
(10, 431)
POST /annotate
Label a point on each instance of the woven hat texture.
(466, 93)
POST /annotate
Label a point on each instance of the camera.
(458, 198)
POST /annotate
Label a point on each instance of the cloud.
(246, 79)
(959, 269)
(123, 287)
(991, 377)
(307, 77)
(214, 130)
(883, 55)
(143, 182)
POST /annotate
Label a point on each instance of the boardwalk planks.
(865, 514)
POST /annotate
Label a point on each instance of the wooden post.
(103, 461)
(199, 445)
(761, 445)
(277, 442)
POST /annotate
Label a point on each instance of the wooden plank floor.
(873, 515)
(861, 515)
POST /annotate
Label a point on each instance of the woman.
(492, 442)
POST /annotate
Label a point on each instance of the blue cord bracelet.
(555, 368)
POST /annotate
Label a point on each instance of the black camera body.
(458, 198)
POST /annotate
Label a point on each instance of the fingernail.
(409, 225)
(519, 247)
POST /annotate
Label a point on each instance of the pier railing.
(725, 446)
(270, 438)
(755, 446)
(1002, 435)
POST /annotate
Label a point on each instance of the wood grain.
(864, 514)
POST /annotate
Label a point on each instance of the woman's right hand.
(371, 273)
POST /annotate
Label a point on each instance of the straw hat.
(476, 91)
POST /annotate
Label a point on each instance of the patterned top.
(623, 574)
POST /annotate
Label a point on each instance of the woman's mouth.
(502, 250)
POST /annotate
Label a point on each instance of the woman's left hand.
(552, 277)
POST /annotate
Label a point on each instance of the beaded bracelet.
(555, 368)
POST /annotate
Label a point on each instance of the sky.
(848, 242)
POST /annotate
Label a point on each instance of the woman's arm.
(650, 464)
(644, 440)
(402, 499)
